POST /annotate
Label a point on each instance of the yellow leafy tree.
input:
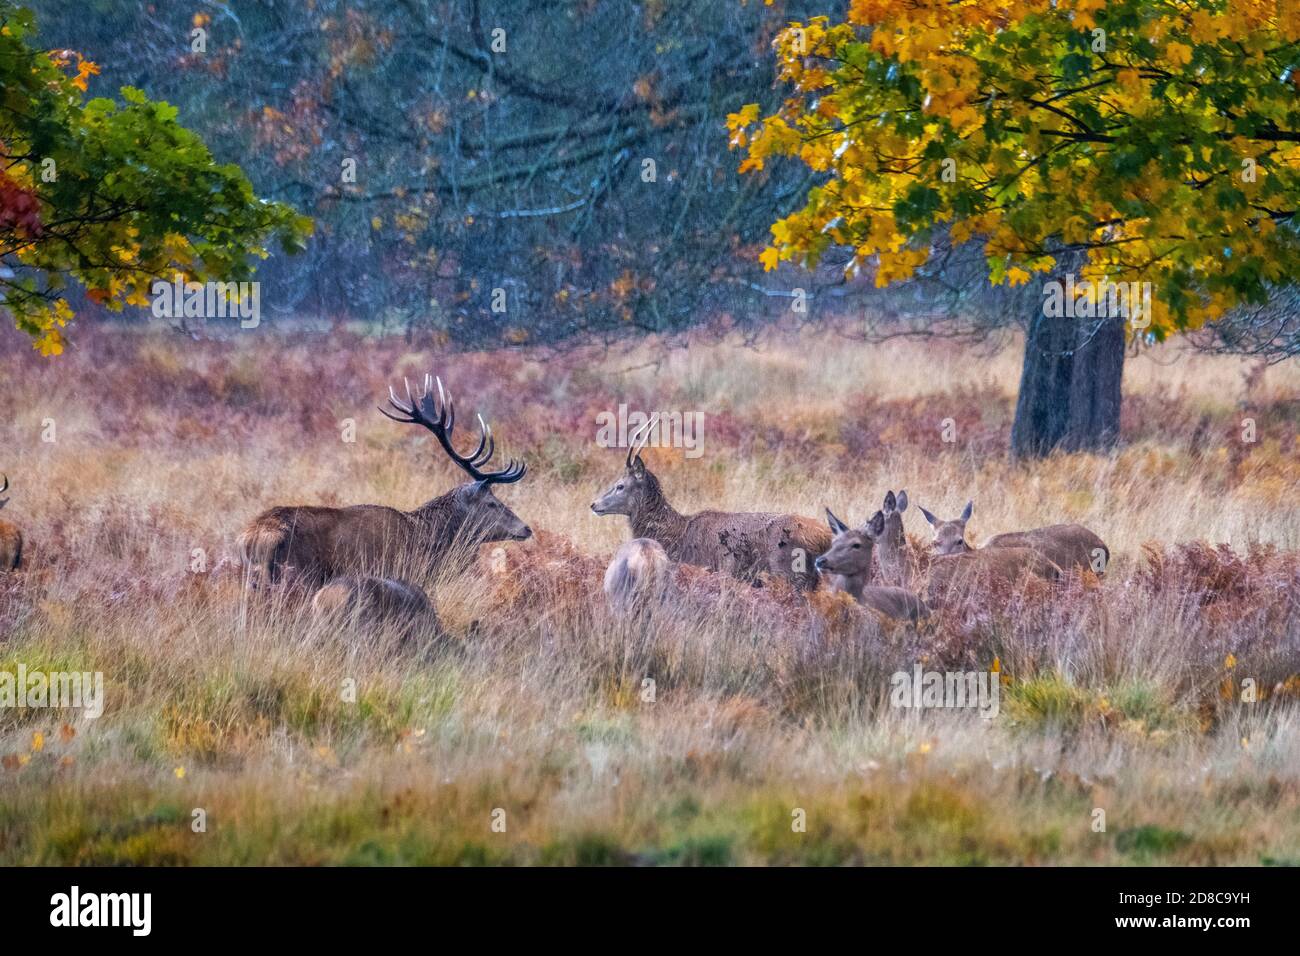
(1157, 140)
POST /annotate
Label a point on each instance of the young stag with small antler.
(313, 544)
(11, 539)
(742, 544)
(849, 563)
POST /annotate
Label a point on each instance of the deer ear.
(889, 502)
(876, 526)
(929, 517)
(902, 501)
(966, 512)
(837, 526)
(638, 466)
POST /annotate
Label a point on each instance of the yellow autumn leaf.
(1179, 54)
(744, 117)
(50, 343)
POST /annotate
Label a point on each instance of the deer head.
(4, 486)
(626, 494)
(950, 536)
(474, 508)
(850, 550)
(893, 512)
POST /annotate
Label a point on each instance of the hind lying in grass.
(372, 604)
(848, 562)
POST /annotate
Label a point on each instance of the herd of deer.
(875, 563)
(348, 558)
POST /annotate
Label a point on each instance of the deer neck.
(851, 584)
(893, 553)
(656, 519)
(439, 521)
(854, 583)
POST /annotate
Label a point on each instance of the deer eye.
(620, 486)
(856, 547)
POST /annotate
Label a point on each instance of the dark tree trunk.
(1095, 388)
(1042, 408)
(1070, 387)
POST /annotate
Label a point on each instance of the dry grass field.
(1121, 695)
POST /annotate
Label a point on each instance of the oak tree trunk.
(1069, 387)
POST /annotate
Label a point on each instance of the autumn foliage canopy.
(108, 195)
(1160, 138)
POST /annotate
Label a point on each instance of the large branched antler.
(439, 416)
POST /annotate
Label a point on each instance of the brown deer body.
(11, 539)
(953, 575)
(372, 602)
(848, 562)
(1066, 545)
(639, 574)
(742, 544)
(958, 569)
(311, 544)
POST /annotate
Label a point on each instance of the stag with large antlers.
(740, 543)
(311, 545)
(11, 539)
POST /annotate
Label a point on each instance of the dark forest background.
(572, 155)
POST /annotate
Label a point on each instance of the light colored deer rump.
(639, 574)
(11, 539)
(1065, 545)
(311, 545)
(373, 602)
(957, 568)
(742, 544)
(848, 564)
